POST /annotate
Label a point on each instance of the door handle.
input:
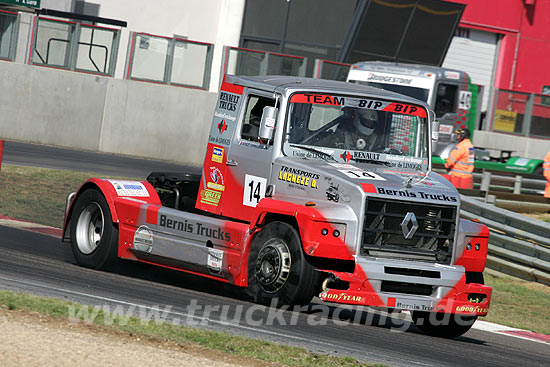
(231, 162)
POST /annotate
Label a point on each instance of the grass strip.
(221, 342)
(38, 194)
(518, 303)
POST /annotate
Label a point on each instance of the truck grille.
(411, 231)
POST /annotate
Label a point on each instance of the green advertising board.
(27, 3)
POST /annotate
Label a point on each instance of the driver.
(358, 129)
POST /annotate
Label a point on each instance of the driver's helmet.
(365, 121)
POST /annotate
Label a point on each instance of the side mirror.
(435, 134)
(267, 124)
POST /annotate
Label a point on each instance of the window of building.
(174, 61)
(8, 34)
(75, 46)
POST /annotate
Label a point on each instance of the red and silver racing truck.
(308, 188)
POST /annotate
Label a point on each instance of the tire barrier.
(519, 246)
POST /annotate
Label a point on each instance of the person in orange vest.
(546, 173)
(460, 162)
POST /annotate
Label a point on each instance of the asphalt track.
(25, 154)
(40, 264)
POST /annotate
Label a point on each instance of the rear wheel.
(442, 325)
(278, 269)
(94, 238)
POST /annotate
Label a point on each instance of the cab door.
(249, 161)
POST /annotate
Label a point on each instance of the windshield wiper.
(372, 161)
(314, 150)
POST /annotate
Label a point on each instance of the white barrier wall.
(76, 110)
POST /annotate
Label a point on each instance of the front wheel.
(94, 238)
(278, 269)
(441, 324)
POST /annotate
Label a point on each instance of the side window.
(251, 122)
(446, 99)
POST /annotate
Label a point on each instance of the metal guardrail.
(518, 245)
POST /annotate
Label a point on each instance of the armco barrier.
(518, 245)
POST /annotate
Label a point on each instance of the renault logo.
(409, 225)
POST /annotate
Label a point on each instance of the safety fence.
(522, 114)
(518, 245)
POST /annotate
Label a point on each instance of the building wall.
(525, 39)
(212, 21)
(82, 111)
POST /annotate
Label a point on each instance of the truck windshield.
(414, 92)
(346, 127)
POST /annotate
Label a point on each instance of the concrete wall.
(522, 146)
(76, 110)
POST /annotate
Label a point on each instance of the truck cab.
(308, 188)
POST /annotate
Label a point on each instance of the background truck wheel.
(278, 268)
(94, 238)
(442, 325)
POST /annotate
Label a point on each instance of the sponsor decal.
(346, 156)
(217, 155)
(388, 79)
(215, 260)
(332, 193)
(298, 177)
(252, 144)
(318, 99)
(197, 228)
(210, 197)
(228, 101)
(339, 297)
(416, 194)
(143, 239)
(217, 180)
(366, 155)
(222, 126)
(405, 109)
(474, 309)
(452, 75)
(415, 166)
(129, 188)
(343, 166)
(415, 306)
(360, 174)
(218, 140)
(372, 104)
(225, 116)
(402, 158)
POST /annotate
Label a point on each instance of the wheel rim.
(89, 228)
(273, 265)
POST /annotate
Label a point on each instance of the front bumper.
(448, 293)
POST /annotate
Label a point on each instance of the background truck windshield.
(414, 92)
(356, 124)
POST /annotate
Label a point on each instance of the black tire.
(278, 268)
(442, 325)
(94, 238)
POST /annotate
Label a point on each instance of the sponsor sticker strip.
(372, 104)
